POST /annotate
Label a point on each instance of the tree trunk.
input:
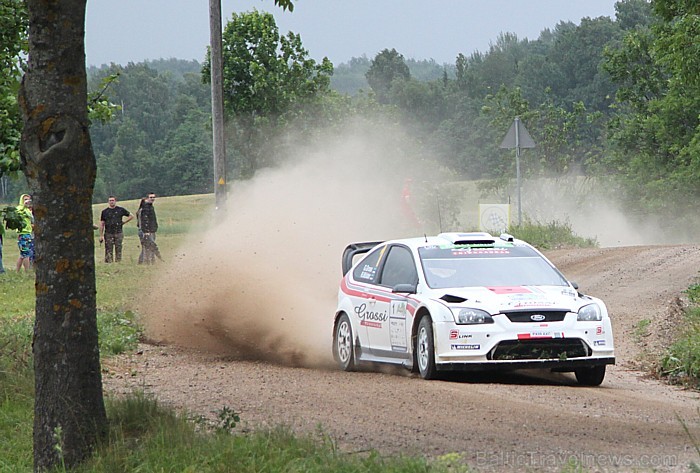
(58, 161)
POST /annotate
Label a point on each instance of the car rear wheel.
(590, 376)
(343, 350)
(425, 349)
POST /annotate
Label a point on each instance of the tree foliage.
(387, 67)
(100, 109)
(159, 139)
(351, 77)
(656, 129)
(269, 81)
(557, 84)
(265, 73)
(13, 44)
(633, 14)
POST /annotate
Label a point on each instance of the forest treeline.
(610, 98)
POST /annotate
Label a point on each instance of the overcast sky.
(123, 31)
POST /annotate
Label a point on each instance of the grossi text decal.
(364, 314)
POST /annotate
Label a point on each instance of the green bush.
(11, 218)
(119, 332)
(681, 363)
(550, 235)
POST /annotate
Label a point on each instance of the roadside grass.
(550, 235)
(681, 363)
(144, 436)
(641, 330)
(16, 393)
(16, 413)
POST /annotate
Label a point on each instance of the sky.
(126, 31)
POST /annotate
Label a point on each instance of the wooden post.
(217, 104)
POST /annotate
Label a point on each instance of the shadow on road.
(518, 377)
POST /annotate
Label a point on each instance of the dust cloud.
(593, 210)
(262, 282)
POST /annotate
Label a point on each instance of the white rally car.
(466, 301)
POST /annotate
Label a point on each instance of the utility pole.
(217, 104)
(517, 169)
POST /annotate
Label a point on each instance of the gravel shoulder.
(530, 421)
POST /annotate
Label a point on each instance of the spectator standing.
(148, 224)
(138, 226)
(111, 231)
(25, 235)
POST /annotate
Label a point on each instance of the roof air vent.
(472, 238)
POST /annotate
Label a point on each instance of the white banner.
(494, 218)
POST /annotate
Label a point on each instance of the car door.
(391, 335)
(366, 316)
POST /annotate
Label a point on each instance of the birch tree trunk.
(58, 161)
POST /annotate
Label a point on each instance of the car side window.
(399, 268)
(368, 269)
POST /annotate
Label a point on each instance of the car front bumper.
(561, 346)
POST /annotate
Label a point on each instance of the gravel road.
(524, 421)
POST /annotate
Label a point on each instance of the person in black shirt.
(111, 222)
(148, 226)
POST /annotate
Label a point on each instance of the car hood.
(499, 299)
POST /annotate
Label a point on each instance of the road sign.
(517, 136)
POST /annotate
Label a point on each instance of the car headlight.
(473, 316)
(589, 312)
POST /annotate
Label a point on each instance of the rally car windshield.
(490, 267)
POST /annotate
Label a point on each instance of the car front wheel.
(425, 349)
(590, 376)
(343, 350)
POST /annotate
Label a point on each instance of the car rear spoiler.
(354, 249)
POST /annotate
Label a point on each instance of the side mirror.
(575, 285)
(407, 288)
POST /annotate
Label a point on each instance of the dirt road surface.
(525, 421)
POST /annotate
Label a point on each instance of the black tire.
(590, 376)
(343, 344)
(425, 349)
